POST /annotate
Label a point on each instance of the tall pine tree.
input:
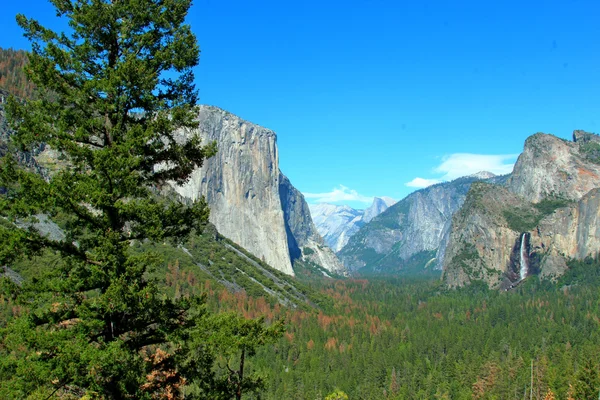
(114, 92)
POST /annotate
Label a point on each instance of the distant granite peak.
(482, 175)
(379, 205)
(337, 223)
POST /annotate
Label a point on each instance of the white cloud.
(463, 164)
(338, 194)
(422, 183)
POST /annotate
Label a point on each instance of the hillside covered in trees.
(402, 338)
(12, 75)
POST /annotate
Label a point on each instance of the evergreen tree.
(587, 384)
(235, 340)
(113, 95)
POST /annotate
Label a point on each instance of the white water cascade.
(523, 258)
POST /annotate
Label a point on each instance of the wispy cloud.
(338, 194)
(462, 164)
(422, 182)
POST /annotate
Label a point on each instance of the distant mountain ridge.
(337, 223)
(412, 231)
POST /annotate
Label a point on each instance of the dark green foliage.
(393, 217)
(235, 339)
(524, 219)
(180, 275)
(468, 260)
(587, 381)
(308, 251)
(591, 151)
(550, 204)
(584, 272)
(420, 263)
(413, 339)
(307, 271)
(369, 256)
(112, 95)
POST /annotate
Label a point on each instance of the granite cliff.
(547, 213)
(553, 167)
(251, 202)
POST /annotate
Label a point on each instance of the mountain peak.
(379, 205)
(482, 175)
(387, 200)
(337, 223)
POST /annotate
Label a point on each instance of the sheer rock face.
(483, 245)
(481, 242)
(242, 186)
(570, 232)
(550, 166)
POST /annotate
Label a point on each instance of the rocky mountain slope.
(337, 223)
(304, 241)
(251, 202)
(410, 232)
(550, 166)
(547, 213)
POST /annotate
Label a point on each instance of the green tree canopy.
(114, 94)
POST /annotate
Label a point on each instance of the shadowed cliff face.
(304, 241)
(552, 197)
(242, 185)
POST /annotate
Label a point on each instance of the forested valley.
(410, 338)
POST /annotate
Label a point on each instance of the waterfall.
(523, 257)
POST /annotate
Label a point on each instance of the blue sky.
(376, 97)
